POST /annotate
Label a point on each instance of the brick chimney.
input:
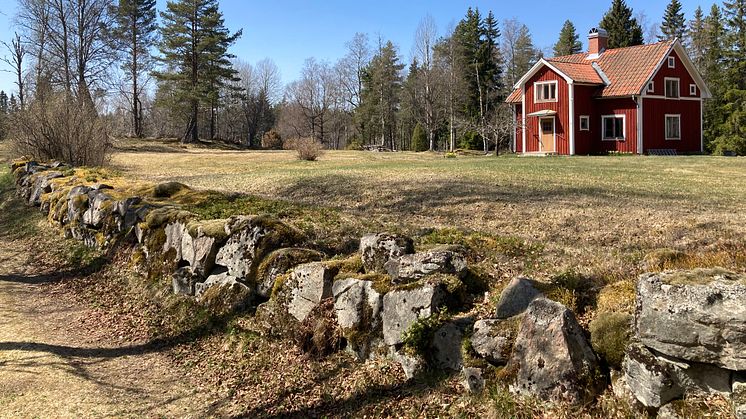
(598, 41)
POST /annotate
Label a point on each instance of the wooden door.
(547, 135)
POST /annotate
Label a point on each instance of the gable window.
(692, 90)
(672, 87)
(585, 123)
(613, 127)
(671, 62)
(651, 87)
(545, 91)
(673, 127)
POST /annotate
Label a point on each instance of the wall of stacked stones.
(689, 332)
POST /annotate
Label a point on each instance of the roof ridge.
(667, 41)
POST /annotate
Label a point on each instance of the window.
(673, 127)
(651, 87)
(671, 62)
(545, 91)
(585, 123)
(692, 90)
(672, 88)
(613, 127)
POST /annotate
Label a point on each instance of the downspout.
(572, 117)
(638, 102)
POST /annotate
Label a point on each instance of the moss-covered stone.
(168, 189)
(610, 335)
(280, 262)
(702, 277)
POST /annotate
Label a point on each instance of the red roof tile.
(515, 97)
(628, 69)
(580, 73)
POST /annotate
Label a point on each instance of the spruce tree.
(568, 42)
(733, 109)
(713, 74)
(134, 35)
(674, 23)
(419, 139)
(194, 47)
(381, 94)
(526, 54)
(623, 29)
(696, 39)
(734, 12)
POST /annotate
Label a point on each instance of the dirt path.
(51, 367)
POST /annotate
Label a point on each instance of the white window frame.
(651, 87)
(671, 62)
(665, 87)
(665, 126)
(692, 90)
(624, 127)
(540, 84)
(587, 120)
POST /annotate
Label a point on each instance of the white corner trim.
(523, 119)
(640, 130)
(571, 94)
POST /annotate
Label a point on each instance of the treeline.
(122, 68)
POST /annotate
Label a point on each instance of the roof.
(628, 68)
(619, 71)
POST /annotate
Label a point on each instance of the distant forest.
(103, 69)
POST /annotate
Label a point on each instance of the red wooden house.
(636, 100)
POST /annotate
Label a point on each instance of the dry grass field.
(597, 216)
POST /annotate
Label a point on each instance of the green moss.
(610, 335)
(701, 277)
(168, 189)
(279, 285)
(419, 336)
(164, 215)
(209, 228)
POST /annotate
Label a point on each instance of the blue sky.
(289, 31)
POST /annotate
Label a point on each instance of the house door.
(546, 137)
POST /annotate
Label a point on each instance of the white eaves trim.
(535, 69)
(688, 64)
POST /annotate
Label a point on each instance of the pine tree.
(623, 29)
(568, 42)
(696, 40)
(194, 47)
(381, 94)
(674, 23)
(134, 34)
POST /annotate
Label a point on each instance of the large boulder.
(305, 288)
(403, 307)
(655, 379)
(222, 294)
(697, 316)
(128, 213)
(175, 233)
(251, 239)
(552, 358)
(358, 309)
(446, 345)
(42, 185)
(412, 364)
(411, 268)
(377, 249)
(77, 204)
(493, 339)
(280, 262)
(200, 244)
(515, 297)
(100, 206)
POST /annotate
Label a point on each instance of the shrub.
(419, 139)
(59, 127)
(419, 336)
(354, 144)
(308, 149)
(319, 334)
(272, 140)
(610, 334)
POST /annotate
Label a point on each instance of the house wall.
(561, 107)
(585, 105)
(680, 72)
(618, 106)
(654, 124)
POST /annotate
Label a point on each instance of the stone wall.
(391, 301)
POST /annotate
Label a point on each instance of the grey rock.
(307, 286)
(183, 281)
(446, 345)
(412, 365)
(515, 297)
(221, 293)
(101, 187)
(738, 396)
(410, 268)
(697, 316)
(698, 378)
(175, 233)
(552, 357)
(99, 208)
(357, 304)
(251, 239)
(77, 204)
(401, 308)
(221, 279)
(199, 249)
(377, 249)
(493, 340)
(126, 212)
(280, 262)
(42, 185)
(653, 382)
(473, 381)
